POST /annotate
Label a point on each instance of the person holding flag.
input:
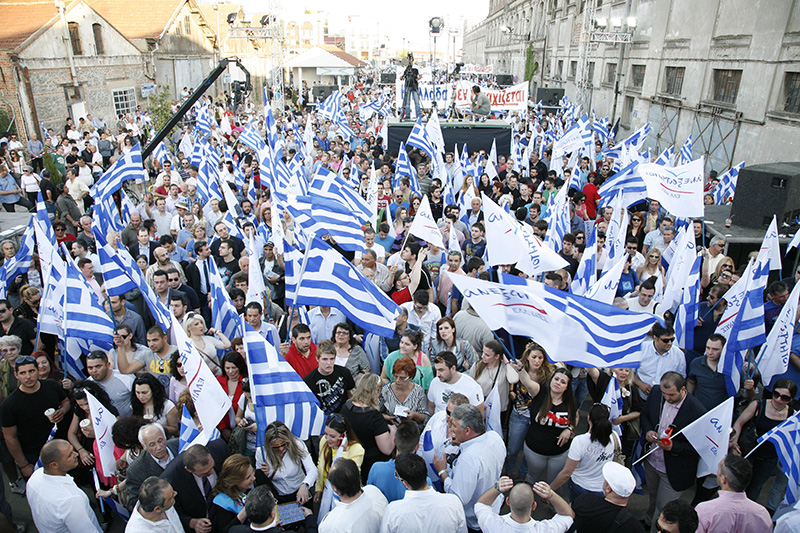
(599, 383)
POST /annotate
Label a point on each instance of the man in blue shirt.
(11, 193)
(381, 474)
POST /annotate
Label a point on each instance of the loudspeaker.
(766, 190)
(321, 92)
(388, 77)
(505, 80)
(548, 96)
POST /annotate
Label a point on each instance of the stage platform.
(477, 135)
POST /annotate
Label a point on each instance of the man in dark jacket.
(672, 468)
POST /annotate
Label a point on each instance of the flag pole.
(654, 448)
(297, 290)
(512, 357)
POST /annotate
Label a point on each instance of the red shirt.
(227, 421)
(302, 365)
(592, 197)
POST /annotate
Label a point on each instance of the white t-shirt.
(361, 516)
(439, 393)
(380, 253)
(29, 183)
(591, 457)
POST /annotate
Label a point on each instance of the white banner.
(424, 226)
(471, 68)
(427, 93)
(513, 98)
(709, 437)
(102, 422)
(679, 189)
(773, 358)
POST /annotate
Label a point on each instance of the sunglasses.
(667, 340)
(25, 360)
(775, 394)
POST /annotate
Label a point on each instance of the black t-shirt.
(331, 390)
(593, 514)
(47, 185)
(227, 270)
(367, 423)
(410, 76)
(543, 434)
(26, 412)
(238, 246)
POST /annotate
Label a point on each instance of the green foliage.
(5, 121)
(160, 107)
(530, 63)
(49, 164)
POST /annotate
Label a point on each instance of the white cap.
(619, 478)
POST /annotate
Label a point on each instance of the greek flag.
(330, 280)
(328, 184)
(327, 217)
(293, 264)
(600, 128)
(786, 439)
(586, 275)
(558, 220)
(367, 110)
(117, 282)
(127, 167)
(689, 309)
(161, 154)
(84, 316)
(106, 214)
(686, 152)
(628, 183)
(403, 167)
(278, 392)
(726, 188)
(634, 141)
(223, 312)
(613, 399)
(615, 334)
(45, 237)
(330, 107)
(419, 138)
(45, 133)
(21, 262)
(203, 122)
(251, 138)
(190, 435)
(665, 159)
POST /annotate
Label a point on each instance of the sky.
(404, 20)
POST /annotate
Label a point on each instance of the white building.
(725, 71)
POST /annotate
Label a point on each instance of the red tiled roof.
(23, 19)
(144, 19)
(341, 54)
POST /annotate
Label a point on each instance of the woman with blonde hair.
(207, 345)
(233, 483)
(374, 434)
(285, 464)
(469, 182)
(539, 369)
(652, 266)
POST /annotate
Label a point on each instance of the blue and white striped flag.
(586, 275)
(328, 184)
(689, 309)
(223, 312)
(403, 167)
(726, 188)
(613, 399)
(786, 439)
(293, 264)
(665, 159)
(117, 282)
(127, 167)
(84, 316)
(626, 182)
(203, 121)
(419, 138)
(615, 334)
(161, 153)
(278, 391)
(327, 217)
(329, 108)
(633, 142)
(21, 262)
(190, 435)
(251, 138)
(686, 152)
(330, 280)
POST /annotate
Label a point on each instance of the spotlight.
(231, 18)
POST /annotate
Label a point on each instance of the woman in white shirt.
(207, 345)
(286, 464)
(587, 455)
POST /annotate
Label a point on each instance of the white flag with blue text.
(709, 436)
(679, 189)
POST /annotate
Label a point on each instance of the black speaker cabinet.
(388, 77)
(766, 190)
(321, 92)
(505, 80)
(549, 96)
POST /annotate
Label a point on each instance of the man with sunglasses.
(17, 325)
(26, 428)
(659, 356)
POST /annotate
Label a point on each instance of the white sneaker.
(18, 487)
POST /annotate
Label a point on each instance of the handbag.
(749, 436)
(619, 457)
(238, 441)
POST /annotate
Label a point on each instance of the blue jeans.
(576, 490)
(408, 95)
(517, 429)
(762, 470)
(580, 390)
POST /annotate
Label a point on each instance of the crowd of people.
(406, 446)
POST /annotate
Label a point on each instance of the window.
(75, 38)
(124, 101)
(627, 110)
(637, 76)
(590, 74)
(573, 69)
(726, 85)
(560, 71)
(673, 80)
(611, 73)
(791, 90)
(97, 29)
(187, 25)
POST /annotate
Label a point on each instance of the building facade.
(725, 71)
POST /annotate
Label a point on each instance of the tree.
(160, 107)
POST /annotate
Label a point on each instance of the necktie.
(207, 492)
(208, 279)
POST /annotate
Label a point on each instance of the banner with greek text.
(679, 189)
(513, 98)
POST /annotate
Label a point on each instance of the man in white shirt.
(643, 302)
(424, 315)
(632, 247)
(479, 464)
(422, 508)
(658, 357)
(522, 503)
(449, 380)
(156, 509)
(435, 440)
(57, 504)
(360, 510)
(370, 244)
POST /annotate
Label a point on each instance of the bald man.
(522, 503)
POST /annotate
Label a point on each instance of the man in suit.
(159, 453)
(144, 246)
(197, 276)
(193, 475)
(672, 468)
